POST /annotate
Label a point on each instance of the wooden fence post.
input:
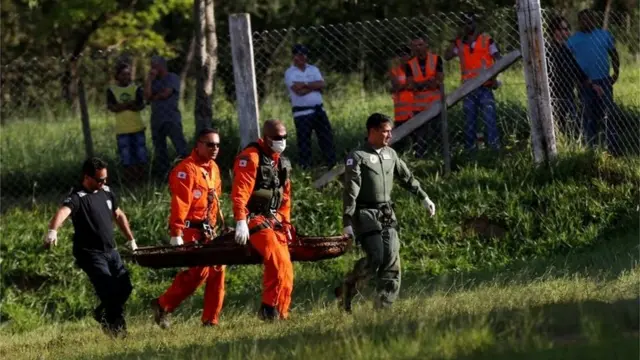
(245, 77)
(536, 77)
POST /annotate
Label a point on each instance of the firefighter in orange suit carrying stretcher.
(261, 201)
(195, 185)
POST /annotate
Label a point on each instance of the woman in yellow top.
(126, 100)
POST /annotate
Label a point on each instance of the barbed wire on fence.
(354, 60)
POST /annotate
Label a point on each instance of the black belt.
(194, 224)
(379, 205)
(302, 108)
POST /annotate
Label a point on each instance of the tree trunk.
(206, 61)
(607, 14)
(187, 66)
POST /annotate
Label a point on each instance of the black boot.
(267, 313)
(348, 292)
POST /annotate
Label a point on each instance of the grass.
(520, 261)
(578, 306)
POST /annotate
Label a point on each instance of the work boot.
(160, 315)
(267, 313)
(348, 292)
(99, 315)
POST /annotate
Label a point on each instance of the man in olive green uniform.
(368, 214)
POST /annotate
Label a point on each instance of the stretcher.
(223, 250)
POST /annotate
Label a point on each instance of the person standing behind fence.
(424, 75)
(162, 90)
(592, 48)
(401, 93)
(564, 75)
(477, 51)
(126, 100)
(305, 83)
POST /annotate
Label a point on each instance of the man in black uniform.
(93, 206)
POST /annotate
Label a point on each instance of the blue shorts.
(132, 148)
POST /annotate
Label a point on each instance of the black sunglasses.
(99, 180)
(211, 144)
(278, 137)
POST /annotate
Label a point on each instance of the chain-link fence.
(43, 143)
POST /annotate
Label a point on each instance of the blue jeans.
(132, 148)
(481, 98)
(594, 109)
(305, 125)
(159, 134)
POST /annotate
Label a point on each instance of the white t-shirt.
(310, 74)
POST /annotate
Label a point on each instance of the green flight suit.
(367, 207)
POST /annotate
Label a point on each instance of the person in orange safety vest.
(401, 94)
(195, 186)
(477, 51)
(261, 201)
(425, 75)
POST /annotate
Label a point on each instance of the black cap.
(299, 49)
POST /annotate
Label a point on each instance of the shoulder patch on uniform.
(181, 175)
(349, 161)
(242, 163)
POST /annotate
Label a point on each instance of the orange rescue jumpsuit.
(192, 183)
(266, 236)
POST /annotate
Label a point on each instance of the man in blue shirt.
(592, 48)
(162, 90)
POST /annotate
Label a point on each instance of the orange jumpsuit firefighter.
(195, 186)
(261, 196)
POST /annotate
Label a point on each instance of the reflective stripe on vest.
(402, 100)
(423, 99)
(472, 63)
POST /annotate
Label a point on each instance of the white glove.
(348, 231)
(242, 232)
(132, 245)
(51, 238)
(428, 204)
(176, 240)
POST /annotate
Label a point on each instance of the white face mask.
(278, 145)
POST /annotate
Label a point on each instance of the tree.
(206, 61)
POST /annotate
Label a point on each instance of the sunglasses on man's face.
(278, 137)
(211, 145)
(99, 180)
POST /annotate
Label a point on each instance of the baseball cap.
(299, 49)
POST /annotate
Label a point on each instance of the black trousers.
(111, 282)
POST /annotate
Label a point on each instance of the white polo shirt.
(310, 74)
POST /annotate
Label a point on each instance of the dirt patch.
(484, 227)
(24, 281)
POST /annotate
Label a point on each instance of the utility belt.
(295, 109)
(203, 225)
(385, 208)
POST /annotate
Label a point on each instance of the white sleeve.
(455, 50)
(288, 78)
(317, 75)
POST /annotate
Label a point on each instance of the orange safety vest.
(403, 99)
(422, 100)
(472, 63)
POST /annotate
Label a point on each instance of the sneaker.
(160, 315)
